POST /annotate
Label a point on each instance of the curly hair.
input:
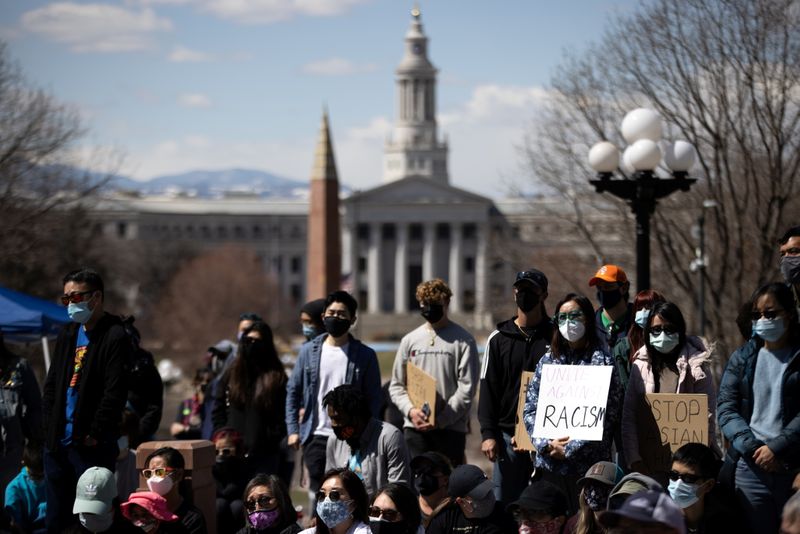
(347, 399)
(435, 290)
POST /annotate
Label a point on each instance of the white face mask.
(160, 485)
(572, 330)
(96, 522)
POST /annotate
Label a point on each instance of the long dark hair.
(406, 503)
(560, 345)
(278, 489)
(257, 380)
(355, 488)
(643, 299)
(783, 294)
(670, 313)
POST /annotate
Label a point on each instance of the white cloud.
(336, 66)
(194, 100)
(270, 11)
(182, 54)
(96, 27)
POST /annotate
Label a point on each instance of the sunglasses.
(333, 495)
(158, 471)
(766, 314)
(563, 317)
(686, 477)
(669, 330)
(225, 451)
(75, 298)
(263, 502)
(389, 515)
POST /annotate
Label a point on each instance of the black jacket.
(103, 387)
(508, 353)
(609, 337)
(145, 394)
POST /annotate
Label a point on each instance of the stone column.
(428, 245)
(401, 269)
(480, 272)
(374, 286)
(455, 268)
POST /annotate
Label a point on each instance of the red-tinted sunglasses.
(75, 298)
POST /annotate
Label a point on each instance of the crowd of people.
(69, 450)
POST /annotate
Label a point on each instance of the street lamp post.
(699, 264)
(641, 128)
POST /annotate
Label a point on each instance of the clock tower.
(414, 149)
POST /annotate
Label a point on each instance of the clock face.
(417, 48)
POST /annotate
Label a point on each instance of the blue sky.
(179, 85)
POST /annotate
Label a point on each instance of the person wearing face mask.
(540, 509)
(148, 512)
(448, 353)
(84, 393)
(668, 362)
(325, 362)
(164, 472)
(625, 351)
(595, 487)
(693, 487)
(615, 314)
(759, 408)
(395, 511)
(191, 415)
(96, 504)
(790, 261)
(515, 346)
(268, 507)
(473, 509)
(341, 505)
(372, 449)
(230, 475)
(431, 475)
(563, 461)
(251, 398)
(311, 318)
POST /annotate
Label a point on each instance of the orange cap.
(609, 273)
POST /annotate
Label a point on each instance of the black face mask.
(526, 300)
(384, 527)
(254, 348)
(426, 484)
(432, 313)
(335, 326)
(609, 299)
(344, 433)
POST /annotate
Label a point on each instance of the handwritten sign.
(572, 402)
(521, 436)
(681, 418)
(421, 390)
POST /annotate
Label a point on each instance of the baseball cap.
(154, 503)
(630, 484)
(469, 481)
(534, 276)
(608, 273)
(647, 507)
(223, 348)
(429, 460)
(608, 473)
(541, 495)
(95, 490)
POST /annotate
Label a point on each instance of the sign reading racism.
(421, 390)
(681, 418)
(521, 437)
(572, 402)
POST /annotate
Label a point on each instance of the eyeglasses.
(158, 471)
(76, 297)
(225, 451)
(333, 495)
(669, 330)
(263, 502)
(686, 477)
(341, 314)
(755, 315)
(563, 317)
(388, 514)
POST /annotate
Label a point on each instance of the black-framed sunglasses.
(389, 515)
(669, 330)
(226, 451)
(263, 502)
(77, 297)
(755, 315)
(333, 495)
(686, 477)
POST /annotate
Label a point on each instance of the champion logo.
(91, 490)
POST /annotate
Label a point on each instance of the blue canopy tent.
(25, 318)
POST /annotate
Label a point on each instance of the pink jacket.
(694, 376)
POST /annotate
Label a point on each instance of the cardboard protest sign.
(421, 390)
(680, 418)
(572, 402)
(521, 436)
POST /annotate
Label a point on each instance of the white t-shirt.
(332, 373)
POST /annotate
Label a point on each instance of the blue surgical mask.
(769, 329)
(333, 513)
(642, 316)
(682, 493)
(122, 443)
(309, 331)
(665, 343)
(79, 312)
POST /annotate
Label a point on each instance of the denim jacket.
(302, 391)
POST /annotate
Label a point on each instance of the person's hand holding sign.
(419, 420)
(556, 448)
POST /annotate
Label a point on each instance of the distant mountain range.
(216, 184)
